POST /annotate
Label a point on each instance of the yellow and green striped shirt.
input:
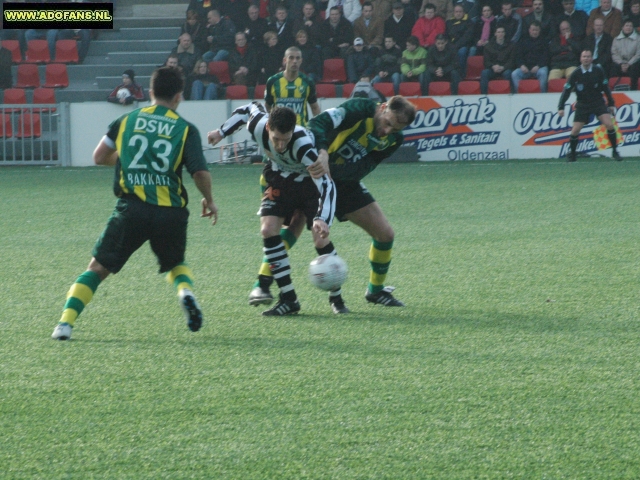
(295, 95)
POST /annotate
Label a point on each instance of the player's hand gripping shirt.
(300, 153)
(348, 134)
(153, 144)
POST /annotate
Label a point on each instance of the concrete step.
(112, 82)
(148, 22)
(128, 58)
(75, 96)
(167, 10)
(141, 33)
(106, 47)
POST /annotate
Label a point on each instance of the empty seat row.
(38, 51)
(56, 76)
(27, 125)
(18, 96)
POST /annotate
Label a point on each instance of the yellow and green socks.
(180, 277)
(380, 259)
(80, 294)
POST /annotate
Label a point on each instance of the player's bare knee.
(385, 235)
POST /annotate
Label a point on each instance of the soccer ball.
(123, 93)
(328, 272)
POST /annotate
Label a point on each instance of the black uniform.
(589, 86)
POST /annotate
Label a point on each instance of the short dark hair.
(367, 4)
(335, 8)
(413, 40)
(441, 36)
(507, 2)
(282, 119)
(404, 110)
(429, 6)
(166, 82)
(535, 23)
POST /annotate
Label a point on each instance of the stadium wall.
(451, 128)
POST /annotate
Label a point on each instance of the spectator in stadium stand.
(283, 26)
(470, 7)
(270, 57)
(311, 22)
(351, 9)
(459, 32)
(444, 8)
(625, 54)
(413, 65)
(172, 61)
(499, 59)
(220, 37)
(411, 8)
(547, 22)
(587, 5)
(6, 81)
(243, 62)
(442, 64)
(311, 59)
(599, 42)
(398, 25)
(194, 26)
(254, 26)
(484, 28)
(532, 58)
(612, 18)
(51, 36)
(235, 10)
(576, 18)
(564, 51)
(187, 53)
(387, 66)
(128, 91)
(203, 7)
(369, 29)
(511, 21)
(429, 26)
(382, 9)
(201, 85)
(336, 35)
(634, 14)
(295, 10)
(360, 63)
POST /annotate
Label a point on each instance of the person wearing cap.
(398, 25)
(577, 19)
(360, 63)
(128, 91)
(370, 29)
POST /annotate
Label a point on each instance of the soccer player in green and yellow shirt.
(149, 147)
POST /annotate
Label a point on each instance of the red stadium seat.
(258, 92)
(16, 96)
(529, 85)
(14, 47)
(475, 65)
(6, 129)
(334, 71)
(326, 90)
(347, 89)
(37, 52)
(67, 51)
(469, 87)
(556, 85)
(620, 81)
(439, 88)
(237, 92)
(29, 125)
(385, 88)
(499, 87)
(56, 76)
(28, 76)
(410, 89)
(44, 95)
(220, 70)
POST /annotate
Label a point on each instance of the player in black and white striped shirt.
(290, 150)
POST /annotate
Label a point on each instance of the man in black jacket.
(337, 35)
(499, 59)
(442, 65)
(459, 30)
(221, 37)
(564, 50)
(532, 58)
(599, 42)
(398, 25)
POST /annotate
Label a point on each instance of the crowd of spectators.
(413, 40)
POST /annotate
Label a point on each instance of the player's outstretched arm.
(202, 179)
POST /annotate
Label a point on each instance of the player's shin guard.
(276, 254)
(265, 279)
(180, 277)
(613, 139)
(80, 294)
(380, 259)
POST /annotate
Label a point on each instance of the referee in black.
(589, 82)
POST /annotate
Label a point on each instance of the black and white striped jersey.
(300, 153)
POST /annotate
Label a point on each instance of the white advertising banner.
(503, 127)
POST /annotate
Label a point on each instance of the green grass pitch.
(517, 355)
